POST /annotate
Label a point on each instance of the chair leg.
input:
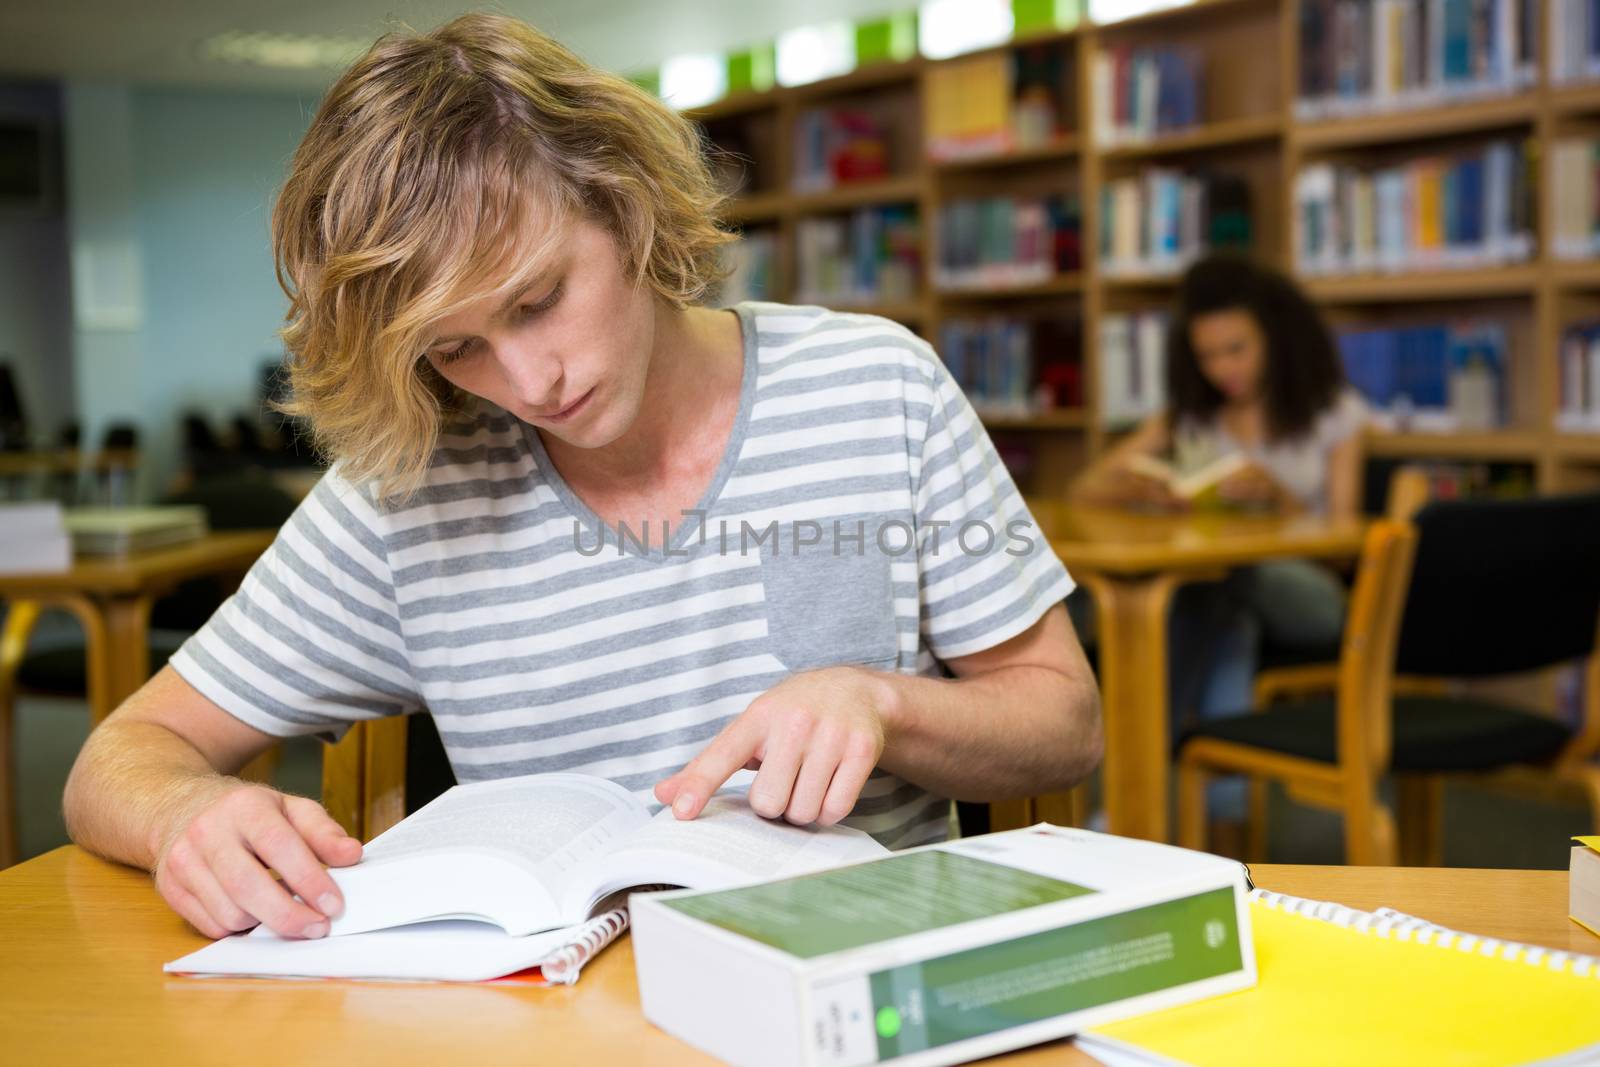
(21, 617)
(1421, 803)
(1255, 842)
(1192, 781)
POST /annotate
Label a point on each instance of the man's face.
(568, 354)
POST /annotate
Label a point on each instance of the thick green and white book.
(943, 953)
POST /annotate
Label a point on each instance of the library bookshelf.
(1249, 129)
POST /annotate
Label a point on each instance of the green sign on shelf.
(889, 39)
(1043, 16)
(752, 70)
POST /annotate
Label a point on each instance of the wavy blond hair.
(436, 159)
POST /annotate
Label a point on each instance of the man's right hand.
(216, 867)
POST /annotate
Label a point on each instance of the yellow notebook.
(1344, 987)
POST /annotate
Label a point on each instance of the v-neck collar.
(684, 528)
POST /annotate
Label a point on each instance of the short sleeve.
(311, 642)
(986, 572)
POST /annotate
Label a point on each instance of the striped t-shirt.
(860, 515)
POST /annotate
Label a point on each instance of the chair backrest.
(364, 777)
(1367, 656)
(1501, 586)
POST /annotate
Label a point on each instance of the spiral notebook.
(1341, 986)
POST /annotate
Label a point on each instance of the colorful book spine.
(1141, 93)
(1133, 363)
(1366, 56)
(838, 146)
(1014, 368)
(1575, 197)
(1470, 209)
(995, 102)
(1006, 241)
(1574, 35)
(1578, 408)
(1431, 377)
(751, 263)
(871, 256)
(1163, 219)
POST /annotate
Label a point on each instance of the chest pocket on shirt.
(826, 610)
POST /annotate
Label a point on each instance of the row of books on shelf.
(838, 146)
(870, 256)
(1578, 410)
(1455, 480)
(1574, 40)
(1365, 56)
(1015, 368)
(1575, 197)
(1441, 377)
(1141, 92)
(1133, 366)
(1159, 221)
(1007, 240)
(996, 102)
(1468, 209)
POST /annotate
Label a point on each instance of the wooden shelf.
(1065, 419)
(1486, 445)
(1576, 98)
(1228, 133)
(1060, 285)
(1469, 116)
(1424, 285)
(730, 106)
(1576, 274)
(1579, 446)
(757, 208)
(843, 198)
(1063, 147)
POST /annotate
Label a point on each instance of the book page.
(728, 844)
(549, 822)
(501, 851)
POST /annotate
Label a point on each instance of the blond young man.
(583, 521)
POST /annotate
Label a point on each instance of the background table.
(111, 599)
(81, 980)
(1131, 564)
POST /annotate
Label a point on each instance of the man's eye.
(450, 356)
(528, 311)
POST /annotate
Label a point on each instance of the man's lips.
(568, 411)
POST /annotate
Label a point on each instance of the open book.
(542, 852)
(1190, 485)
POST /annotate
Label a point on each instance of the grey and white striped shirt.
(860, 515)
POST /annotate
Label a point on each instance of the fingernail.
(330, 905)
(683, 806)
(316, 929)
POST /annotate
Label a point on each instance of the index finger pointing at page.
(728, 752)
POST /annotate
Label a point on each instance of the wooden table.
(111, 598)
(84, 940)
(1131, 565)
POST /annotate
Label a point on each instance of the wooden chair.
(1499, 587)
(1360, 719)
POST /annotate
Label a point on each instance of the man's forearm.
(132, 786)
(1015, 731)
